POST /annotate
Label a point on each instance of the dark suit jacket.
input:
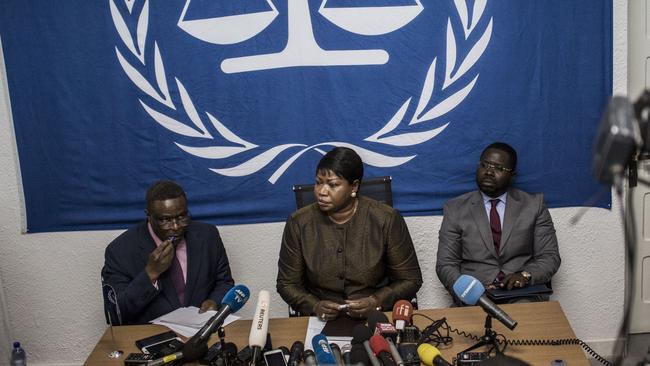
(208, 273)
(528, 240)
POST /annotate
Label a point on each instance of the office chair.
(376, 188)
(111, 308)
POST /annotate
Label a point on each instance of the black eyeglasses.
(500, 168)
(181, 220)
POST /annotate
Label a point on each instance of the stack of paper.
(187, 321)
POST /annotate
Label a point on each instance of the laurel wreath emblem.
(455, 66)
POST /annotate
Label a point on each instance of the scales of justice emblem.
(301, 49)
(461, 53)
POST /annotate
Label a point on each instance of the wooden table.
(544, 320)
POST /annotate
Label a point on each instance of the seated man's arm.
(223, 276)
(402, 265)
(133, 287)
(546, 256)
(291, 272)
(450, 249)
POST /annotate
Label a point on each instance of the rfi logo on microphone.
(404, 310)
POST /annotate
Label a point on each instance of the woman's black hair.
(344, 162)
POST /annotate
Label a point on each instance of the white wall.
(50, 297)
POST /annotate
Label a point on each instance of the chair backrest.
(376, 188)
(111, 308)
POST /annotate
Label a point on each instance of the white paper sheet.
(187, 321)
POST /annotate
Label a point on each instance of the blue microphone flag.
(468, 289)
(236, 297)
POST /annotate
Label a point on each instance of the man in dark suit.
(500, 235)
(167, 261)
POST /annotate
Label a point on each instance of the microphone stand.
(489, 340)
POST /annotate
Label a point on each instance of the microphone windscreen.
(358, 355)
(374, 317)
(310, 358)
(245, 355)
(236, 297)
(260, 325)
(378, 344)
(468, 289)
(296, 353)
(360, 334)
(192, 351)
(403, 310)
(230, 348)
(427, 353)
(323, 351)
(409, 353)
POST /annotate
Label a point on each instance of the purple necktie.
(176, 273)
(495, 225)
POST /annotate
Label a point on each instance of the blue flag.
(238, 100)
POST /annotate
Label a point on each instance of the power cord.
(433, 334)
(558, 342)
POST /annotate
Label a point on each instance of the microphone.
(394, 352)
(229, 352)
(260, 326)
(346, 354)
(361, 352)
(378, 322)
(336, 351)
(244, 356)
(381, 349)
(197, 346)
(430, 355)
(166, 359)
(310, 358)
(409, 353)
(375, 317)
(402, 314)
(219, 354)
(471, 292)
(324, 355)
(295, 355)
(232, 301)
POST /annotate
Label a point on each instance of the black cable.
(558, 342)
(432, 334)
